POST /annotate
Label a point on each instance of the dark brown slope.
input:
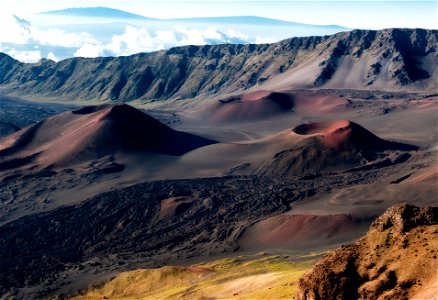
(126, 229)
(335, 146)
(397, 259)
(390, 59)
(92, 133)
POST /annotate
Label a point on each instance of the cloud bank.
(133, 40)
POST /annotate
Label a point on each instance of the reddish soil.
(347, 134)
(334, 146)
(175, 205)
(265, 104)
(289, 229)
(91, 133)
(251, 106)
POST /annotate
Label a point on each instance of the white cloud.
(263, 40)
(190, 36)
(232, 33)
(13, 31)
(57, 37)
(52, 56)
(133, 40)
(25, 56)
(89, 50)
(167, 37)
(20, 31)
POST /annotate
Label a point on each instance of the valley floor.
(65, 229)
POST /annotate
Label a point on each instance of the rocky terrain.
(290, 148)
(397, 259)
(390, 59)
(145, 225)
(17, 113)
(134, 227)
(149, 181)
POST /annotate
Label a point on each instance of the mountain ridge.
(107, 12)
(99, 11)
(250, 19)
(387, 60)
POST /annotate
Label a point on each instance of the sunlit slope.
(255, 277)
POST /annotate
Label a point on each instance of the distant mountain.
(387, 60)
(105, 12)
(251, 20)
(95, 12)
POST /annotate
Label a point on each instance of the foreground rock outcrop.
(397, 259)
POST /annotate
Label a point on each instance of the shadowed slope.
(264, 104)
(333, 146)
(251, 106)
(390, 59)
(128, 223)
(94, 132)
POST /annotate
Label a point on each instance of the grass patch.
(243, 277)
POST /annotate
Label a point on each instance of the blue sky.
(354, 14)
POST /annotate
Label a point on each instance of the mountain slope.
(334, 146)
(126, 224)
(391, 59)
(250, 277)
(91, 133)
(263, 104)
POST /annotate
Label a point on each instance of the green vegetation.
(243, 277)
